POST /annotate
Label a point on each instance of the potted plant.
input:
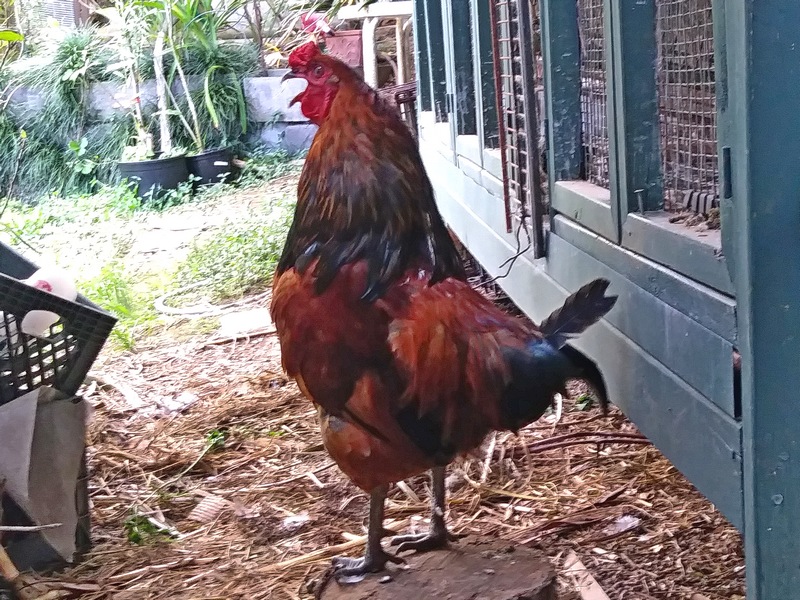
(131, 26)
(198, 25)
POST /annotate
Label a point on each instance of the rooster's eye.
(318, 70)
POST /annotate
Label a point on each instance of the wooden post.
(763, 79)
(400, 45)
(370, 60)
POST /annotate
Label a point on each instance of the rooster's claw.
(433, 540)
(353, 570)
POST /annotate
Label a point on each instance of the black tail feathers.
(580, 311)
(547, 363)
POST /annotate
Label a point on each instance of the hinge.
(450, 103)
(727, 185)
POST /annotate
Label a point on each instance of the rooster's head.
(322, 73)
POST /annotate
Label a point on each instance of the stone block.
(268, 99)
(292, 137)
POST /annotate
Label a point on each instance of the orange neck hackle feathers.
(363, 193)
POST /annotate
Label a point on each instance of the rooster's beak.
(289, 75)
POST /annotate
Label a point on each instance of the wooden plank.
(403, 8)
(698, 356)
(494, 186)
(492, 162)
(422, 66)
(531, 165)
(426, 120)
(583, 581)
(633, 102)
(701, 441)
(763, 43)
(586, 203)
(487, 207)
(676, 246)
(712, 310)
(470, 169)
(469, 146)
(440, 135)
(615, 115)
(708, 307)
(560, 49)
(681, 423)
(449, 72)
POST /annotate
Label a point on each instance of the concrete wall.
(278, 126)
(268, 103)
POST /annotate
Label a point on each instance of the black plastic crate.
(61, 359)
(63, 356)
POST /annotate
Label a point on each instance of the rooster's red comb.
(301, 55)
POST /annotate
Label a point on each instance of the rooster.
(407, 365)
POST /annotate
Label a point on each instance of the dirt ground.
(209, 481)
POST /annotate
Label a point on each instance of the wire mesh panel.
(591, 23)
(687, 104)
(515, 80)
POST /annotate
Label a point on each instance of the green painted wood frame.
(762, 130)
(630, 211)
(485, 106)
(461, 79)
(697, 433)
(758, 69)
(422, 65)
(434, 43)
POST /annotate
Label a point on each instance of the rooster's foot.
(353, 570)
(435, 539)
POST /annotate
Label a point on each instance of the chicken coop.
(655, 143)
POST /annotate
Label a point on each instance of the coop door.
(632, 141)
(514, 40)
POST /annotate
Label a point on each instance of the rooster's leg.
(438, 536)
(375, 558)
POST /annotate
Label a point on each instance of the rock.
(460, 573)
(291, 137)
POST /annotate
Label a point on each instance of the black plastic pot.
(213, 166)
(158, 174)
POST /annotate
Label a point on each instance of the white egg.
(54, 281)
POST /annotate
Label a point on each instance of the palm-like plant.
(197, 24)
(11, 37)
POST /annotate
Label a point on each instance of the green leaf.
(9, 35)
(150, 4)
(241, 102)
(584, 402)
(212, 111)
